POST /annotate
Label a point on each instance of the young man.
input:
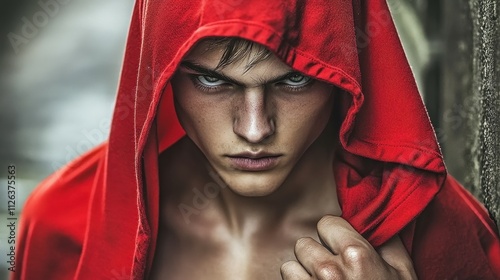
(260, 140)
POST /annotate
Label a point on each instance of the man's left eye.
(210, 81)
(297, 80)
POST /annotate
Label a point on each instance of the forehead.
(240, 58)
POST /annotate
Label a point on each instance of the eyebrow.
(203, 70)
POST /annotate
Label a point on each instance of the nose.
(252, 121)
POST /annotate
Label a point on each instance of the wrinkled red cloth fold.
(98, 217)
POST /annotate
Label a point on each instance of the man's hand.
(345, 254)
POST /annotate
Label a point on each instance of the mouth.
(254, 161)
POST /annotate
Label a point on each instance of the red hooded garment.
(97, 218)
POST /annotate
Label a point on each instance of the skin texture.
(251, 117)
(221, 222)
(344, 254)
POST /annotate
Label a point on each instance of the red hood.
(388, 167)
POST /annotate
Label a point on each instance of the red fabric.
(98, 217)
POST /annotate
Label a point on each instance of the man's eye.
(296, 80)
(210, 81)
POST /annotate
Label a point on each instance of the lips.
(254, 161)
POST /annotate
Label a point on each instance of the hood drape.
(388, 166)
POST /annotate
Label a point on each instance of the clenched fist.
(345, 254)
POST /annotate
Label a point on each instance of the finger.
(316, 259)
(338, 235)
(293, 270)
(394, 253)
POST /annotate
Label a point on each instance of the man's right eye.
(210, 81)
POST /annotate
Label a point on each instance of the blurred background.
(58, 82)
(57, 87)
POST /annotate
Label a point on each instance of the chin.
(252, 191)
(253, 185)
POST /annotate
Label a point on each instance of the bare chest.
(211, 261)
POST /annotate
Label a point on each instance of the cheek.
(199, 123)
(188, 107)
(201, 118)
(306, 119)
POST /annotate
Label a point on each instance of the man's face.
(253, 125)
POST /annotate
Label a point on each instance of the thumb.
(394, 253)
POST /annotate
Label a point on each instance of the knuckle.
(328, 271)
(356, 254)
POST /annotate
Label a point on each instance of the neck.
(306, 195)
